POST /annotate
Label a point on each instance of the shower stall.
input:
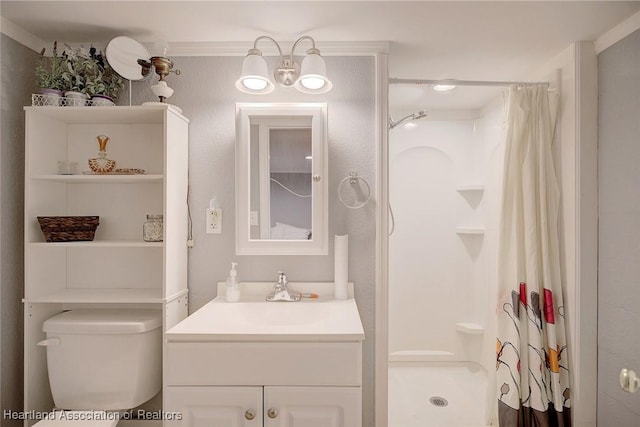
(445, 170)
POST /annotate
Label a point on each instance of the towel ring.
(353, 179)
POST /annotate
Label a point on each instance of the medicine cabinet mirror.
(281, 179)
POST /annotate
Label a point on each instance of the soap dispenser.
(233, 286)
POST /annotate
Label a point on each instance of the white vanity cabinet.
(312, 406)
(118, 269)
(263, 406)
(213, 406)
(266, 364)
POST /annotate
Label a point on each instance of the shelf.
(105, 296)
(475, 231)
(138, 114)
(102, 244)
(101, 179)
(470, 188)
(470, 328)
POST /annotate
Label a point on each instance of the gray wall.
(205, 91)
(16, 70)
(619, 229)
(207, 95)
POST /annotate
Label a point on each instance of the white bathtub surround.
(414, 389)
(341, 266)
(445, 178)
(533, 362)
(444, 192)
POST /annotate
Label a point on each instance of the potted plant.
(102, 83)
(49, 75)
(78, 65)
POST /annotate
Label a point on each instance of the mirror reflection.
(281, 192)
(123, 54)
(281, 185)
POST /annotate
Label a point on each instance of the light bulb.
(312, 82)
(443, 88)
(160, 48)
(253, 83)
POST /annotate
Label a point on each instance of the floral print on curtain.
(532, 360)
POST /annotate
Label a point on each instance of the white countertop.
(254, 319)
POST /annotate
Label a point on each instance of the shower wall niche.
(444, 193)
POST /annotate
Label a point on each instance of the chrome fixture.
(309, 77)
(415, 116)
(280, 291)
(162, 66)
(629, 381)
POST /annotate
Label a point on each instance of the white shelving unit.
(118, 268)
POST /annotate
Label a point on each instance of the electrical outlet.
(214, 221)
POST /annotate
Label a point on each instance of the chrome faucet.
(280, 291)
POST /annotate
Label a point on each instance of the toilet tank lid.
(104, 321)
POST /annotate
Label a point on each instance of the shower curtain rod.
(394, 80)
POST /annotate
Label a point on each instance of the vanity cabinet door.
(312, 407)
(214, 406)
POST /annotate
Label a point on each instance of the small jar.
(152, 229)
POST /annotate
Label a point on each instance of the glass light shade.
(162, 90)
(159, 48)
(443, 87)
(254, 75)
(313, 75)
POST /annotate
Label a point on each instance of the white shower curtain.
(532, 361)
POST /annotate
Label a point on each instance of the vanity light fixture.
(309, 77)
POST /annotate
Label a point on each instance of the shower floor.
(462, 385)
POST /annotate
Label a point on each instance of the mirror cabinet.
(281, 179)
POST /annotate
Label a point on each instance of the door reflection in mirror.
(281, 186)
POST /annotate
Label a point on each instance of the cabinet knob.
(272, 412)
(316, 178)
(249, 414)
(629, 381)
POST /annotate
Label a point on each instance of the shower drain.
(438, 401)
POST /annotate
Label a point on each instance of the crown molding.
(617, 33)
(215, 48)
(269, 49)
(21, 35)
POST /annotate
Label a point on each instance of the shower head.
(415, 116)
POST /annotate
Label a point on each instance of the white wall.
(619, 229)
(438, 278)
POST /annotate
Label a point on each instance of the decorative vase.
(76, 99)
(101, 164)
(51, 96)
(101, 101)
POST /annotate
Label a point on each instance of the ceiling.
(474, 40)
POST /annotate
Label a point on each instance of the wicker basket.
(68, 228)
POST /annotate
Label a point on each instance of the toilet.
(102, 360)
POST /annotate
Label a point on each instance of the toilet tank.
(104, 359)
